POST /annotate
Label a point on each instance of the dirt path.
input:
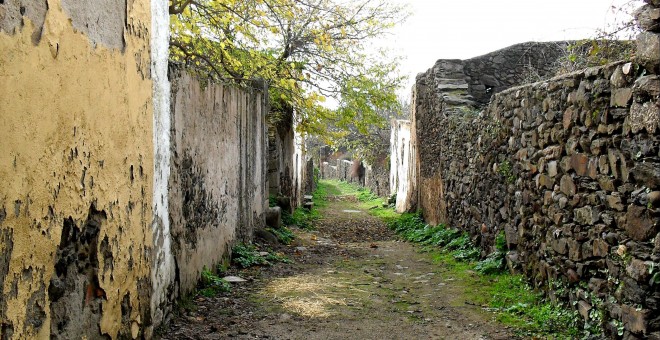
(350, 279)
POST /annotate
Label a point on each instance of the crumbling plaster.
(77, 141)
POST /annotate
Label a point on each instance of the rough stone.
(639, 225)
(586, 215)
(638, 270)
(634, 320)
(621, 97)
(567, 186)
(552, 168)
(545, 182)
(654, 198)
(648, 18)
(614, 202)
(647, 174)
(583, 308)
(579, 163)
(648, 51)
(647, 86)
(644, 116)
(601, 248)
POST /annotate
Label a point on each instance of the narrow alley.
(349, 278)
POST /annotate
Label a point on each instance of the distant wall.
(377, 178)
(78, 108)
(218, 187)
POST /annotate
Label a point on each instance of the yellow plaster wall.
(74, 119)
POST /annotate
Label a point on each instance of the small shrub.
(283, 234)
(246, 256)
(211, 284)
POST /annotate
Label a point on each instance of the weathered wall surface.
(77, 167)
(218, 190)
(377, 177)
(402, 166)
(569, 170)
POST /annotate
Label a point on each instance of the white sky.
(462, 29)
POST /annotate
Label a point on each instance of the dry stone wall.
(569, 170)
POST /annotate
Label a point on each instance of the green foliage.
(305, 52)
(506, 170)
(245, 256)
(211, 284)
(365, 195)
(500, 242)
(495, 261)
(301, 218)
(514, 301)
(283, 234)
(412, 228)
(272, 201)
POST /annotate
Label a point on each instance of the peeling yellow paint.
(76, 131)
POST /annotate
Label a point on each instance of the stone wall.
(377, 178)
(218, 190)
(465, 84)
(79, 105)
(569, 170)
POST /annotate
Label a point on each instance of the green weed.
(509, 296)
(246, 256)
(211, 284)
(284, 234)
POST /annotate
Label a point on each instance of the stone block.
(639, 225)
(567, 186)
(583, 308)
(621, 97)
(274, 217)
(586, 215)
(544, 181)
(647, 86)
(579, 163)
(634, 320)
(638, 270)
(648, 51)
(644, 116)
(614, 202)
(601, 248)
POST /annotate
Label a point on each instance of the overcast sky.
(443, 29)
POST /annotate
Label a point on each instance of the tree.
(306, 50)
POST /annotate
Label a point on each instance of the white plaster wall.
(401, 169)
(162, 275)
(299, 162)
